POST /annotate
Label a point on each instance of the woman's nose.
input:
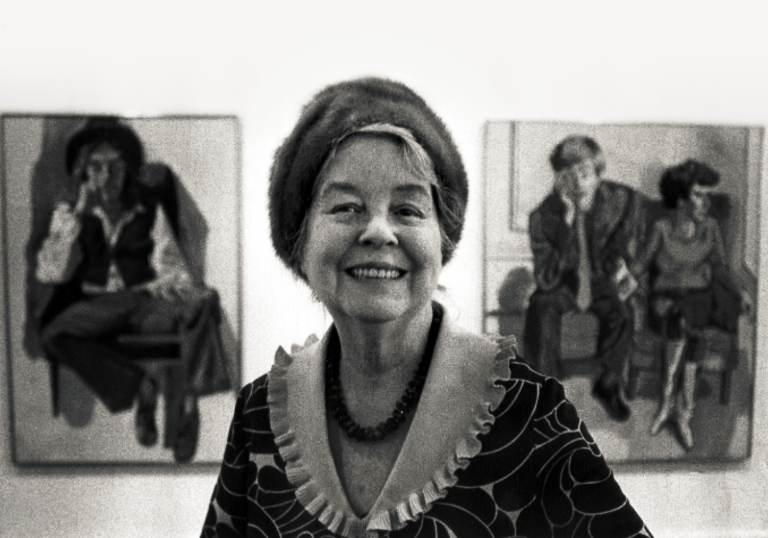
(378, 231)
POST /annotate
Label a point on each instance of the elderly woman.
(692, 286)
(397, 422)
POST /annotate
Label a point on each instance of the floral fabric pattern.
(539, 474)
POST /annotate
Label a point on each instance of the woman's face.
(105, 171)
(373, 247)
(697, 205)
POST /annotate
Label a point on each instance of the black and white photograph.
(398, 270)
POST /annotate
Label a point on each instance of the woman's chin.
(374, 311)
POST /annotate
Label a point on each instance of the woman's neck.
(372, 350)
(685, 225)
(112, 207)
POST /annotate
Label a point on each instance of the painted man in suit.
(583, 236)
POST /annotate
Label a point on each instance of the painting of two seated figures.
(624, 258)
(126, 271)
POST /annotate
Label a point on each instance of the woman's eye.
(345, 208)
(409, 212)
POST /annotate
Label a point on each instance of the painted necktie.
(584, 294)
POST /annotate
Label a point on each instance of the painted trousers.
(82, 337)
(543, 327)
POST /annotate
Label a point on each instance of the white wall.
(585, 61)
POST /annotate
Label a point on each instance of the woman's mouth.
(371, 273)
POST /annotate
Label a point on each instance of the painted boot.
(673, 352)
(685, 405)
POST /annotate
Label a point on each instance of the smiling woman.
(397, 422)
(372, 251)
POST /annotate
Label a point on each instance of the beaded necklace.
(334, 396)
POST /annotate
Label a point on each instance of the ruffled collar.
(455, 407)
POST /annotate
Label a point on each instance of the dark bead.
(335, 393)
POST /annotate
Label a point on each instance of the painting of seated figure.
(123, 286)
(623, 257)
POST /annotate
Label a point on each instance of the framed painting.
(624, 258)
(121, 287)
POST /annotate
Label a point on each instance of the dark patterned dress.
(538, 473)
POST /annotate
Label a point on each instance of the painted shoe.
(146, 426)
(661, 418)
(610, 398)
(187, 436)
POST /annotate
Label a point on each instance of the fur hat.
(333, 113)
(107, 130)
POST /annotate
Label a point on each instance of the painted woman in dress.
(691, 286)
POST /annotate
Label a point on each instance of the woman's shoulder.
(526, 389)
(256, 384)
(539, 444)
(541, 388)
(521, 378)
(255, 392)
(506, 350)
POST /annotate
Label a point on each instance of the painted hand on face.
(577, 185)
(79, 175)
(101, 172)
(84, 197)
(565, 187)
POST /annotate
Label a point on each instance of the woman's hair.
(369, 106)
(575, 149)
(676, 181)
(106, 130)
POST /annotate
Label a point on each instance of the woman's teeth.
(390, 274)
